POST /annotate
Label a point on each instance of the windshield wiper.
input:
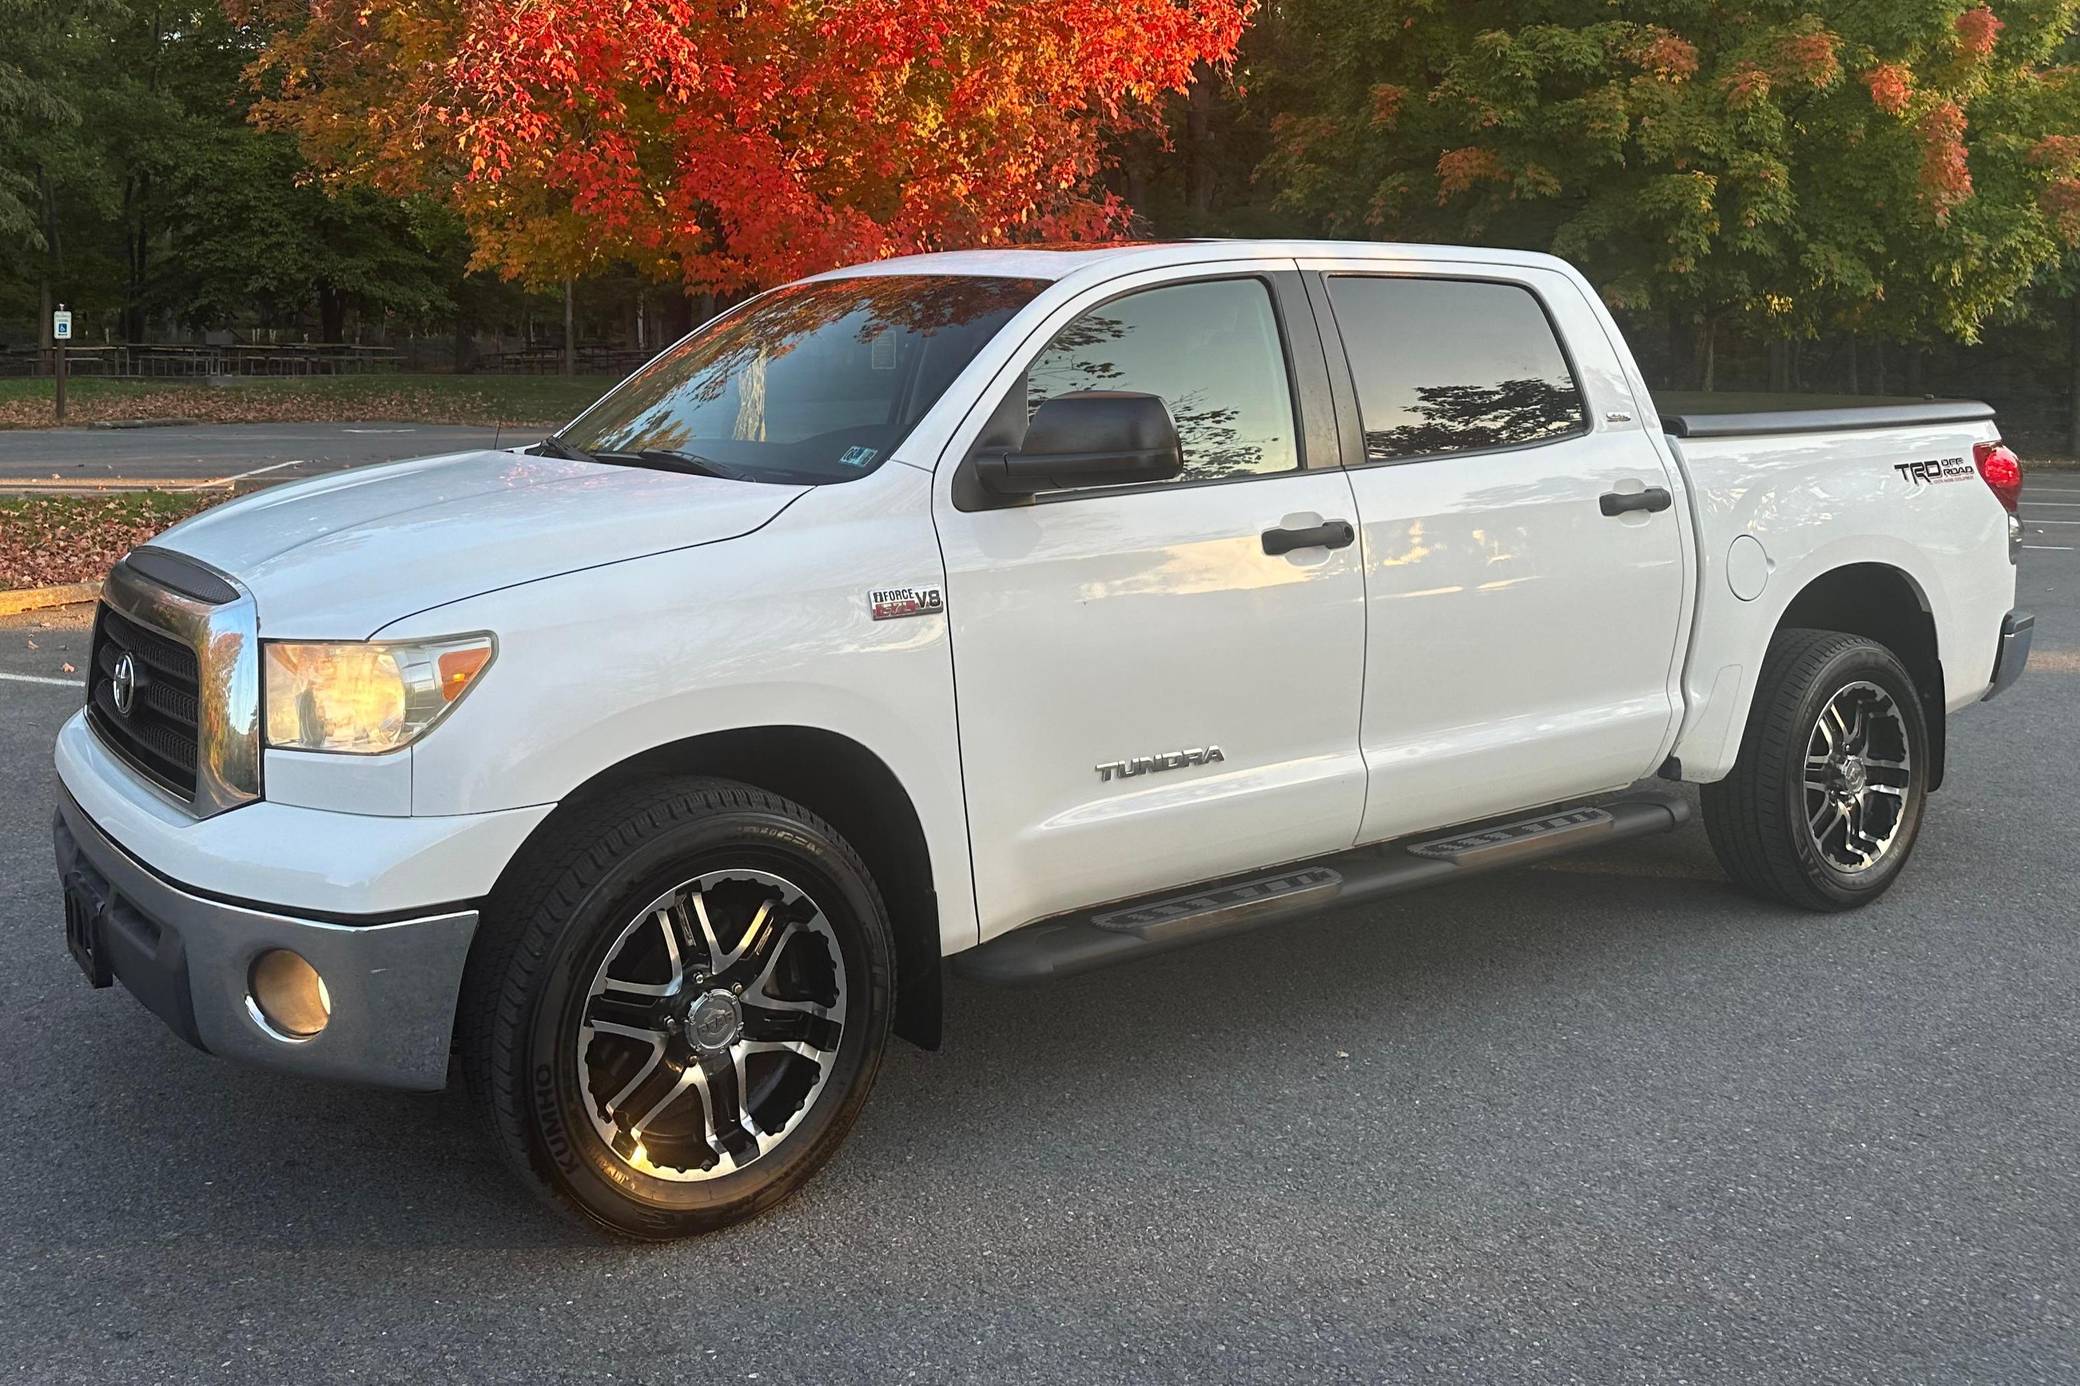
(553, 446)
(673, 460)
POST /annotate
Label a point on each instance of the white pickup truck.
(1040, 609)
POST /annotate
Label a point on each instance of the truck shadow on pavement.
(1367, 1024)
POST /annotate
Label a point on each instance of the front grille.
(158, 737)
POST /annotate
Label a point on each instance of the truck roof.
(1058, 261)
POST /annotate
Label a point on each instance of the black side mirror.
(1090, 438)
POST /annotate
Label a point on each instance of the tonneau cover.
(1707, 415)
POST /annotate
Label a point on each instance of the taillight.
(2002, 470)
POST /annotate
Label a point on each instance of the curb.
(20, 487)
(37, 598)
(138, 423)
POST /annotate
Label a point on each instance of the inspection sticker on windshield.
(858, 457)
(892, 602)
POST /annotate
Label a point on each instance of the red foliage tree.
(735, 144)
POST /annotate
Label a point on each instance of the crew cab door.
(1524, 548)
(1159, 684)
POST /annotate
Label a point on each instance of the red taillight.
(2002, 470)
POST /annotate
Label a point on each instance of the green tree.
(1780, 167)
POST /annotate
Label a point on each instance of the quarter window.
(1450, 365)
(1210, 350)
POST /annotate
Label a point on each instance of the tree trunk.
(1854, 387)
(1780, 365)
(2073, 378)
(570, 336)
(1198, 124)
(1708, 372)
(1878, 366)
(47, 358)
(332, 314)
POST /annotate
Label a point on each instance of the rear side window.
(1453, 365)
(1210, 349)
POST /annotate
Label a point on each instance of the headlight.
(366, 697)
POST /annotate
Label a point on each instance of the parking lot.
(1602, 1121)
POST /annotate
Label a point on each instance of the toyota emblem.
(123, 686)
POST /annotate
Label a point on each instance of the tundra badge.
(1167, 760)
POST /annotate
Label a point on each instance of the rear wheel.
(1823, 807)
(672, 1021)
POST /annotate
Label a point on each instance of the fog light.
(287, 996)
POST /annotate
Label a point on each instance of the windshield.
(810, 383)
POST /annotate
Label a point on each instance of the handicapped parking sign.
(61, 326)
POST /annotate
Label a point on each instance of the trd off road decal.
(889, 603)
(1935, 470)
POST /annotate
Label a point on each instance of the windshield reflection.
(812, 383)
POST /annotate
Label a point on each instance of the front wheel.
(1823, 807)
(672, 1019)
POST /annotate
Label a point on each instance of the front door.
(1151, 693)
(1523, 630)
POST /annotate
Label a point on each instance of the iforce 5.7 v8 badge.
(892, 602)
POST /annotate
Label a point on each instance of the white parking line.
(38, 678)
(2051, 522)
(2055, 505)
(241, 476)
(2049, 548)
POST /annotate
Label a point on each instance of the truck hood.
(341, 556)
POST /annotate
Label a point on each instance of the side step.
(1129, 929)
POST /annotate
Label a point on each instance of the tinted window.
(1210, 350)
(814, 382)
(1447, 365)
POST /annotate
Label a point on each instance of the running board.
(1129, 929)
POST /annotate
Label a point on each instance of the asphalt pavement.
(1602, 1121)
(215, 452)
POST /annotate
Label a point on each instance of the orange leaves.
(1977, 30)
(1891, 87)
(1664, 55)
(1386, 104)
(2060, 199)
(753, 143)
(1810, 58)
(1459, 169)
(1946, 177)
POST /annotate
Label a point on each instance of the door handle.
(1333, 534)
(1653, 500)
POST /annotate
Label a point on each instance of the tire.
(608, 1085)
(1808, 840)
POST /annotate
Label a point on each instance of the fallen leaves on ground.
(450, 402)
(49, 541)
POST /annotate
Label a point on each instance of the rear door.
(1522, 641)
(1151, 693)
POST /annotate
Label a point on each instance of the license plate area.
(83, 915)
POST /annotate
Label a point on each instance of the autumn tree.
(1786, 167)
(733, 145)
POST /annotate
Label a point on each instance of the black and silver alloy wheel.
(712, 1024)
(1859, 775)
(674, 1011)
(1824, 803)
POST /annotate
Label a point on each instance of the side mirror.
(1090, 438)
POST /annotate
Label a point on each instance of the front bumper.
(188, 957)
(2017, 628)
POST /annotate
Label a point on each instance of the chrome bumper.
(2016, 629)
(393, 983)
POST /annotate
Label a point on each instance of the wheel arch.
(848, 786)
(1883, 603)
